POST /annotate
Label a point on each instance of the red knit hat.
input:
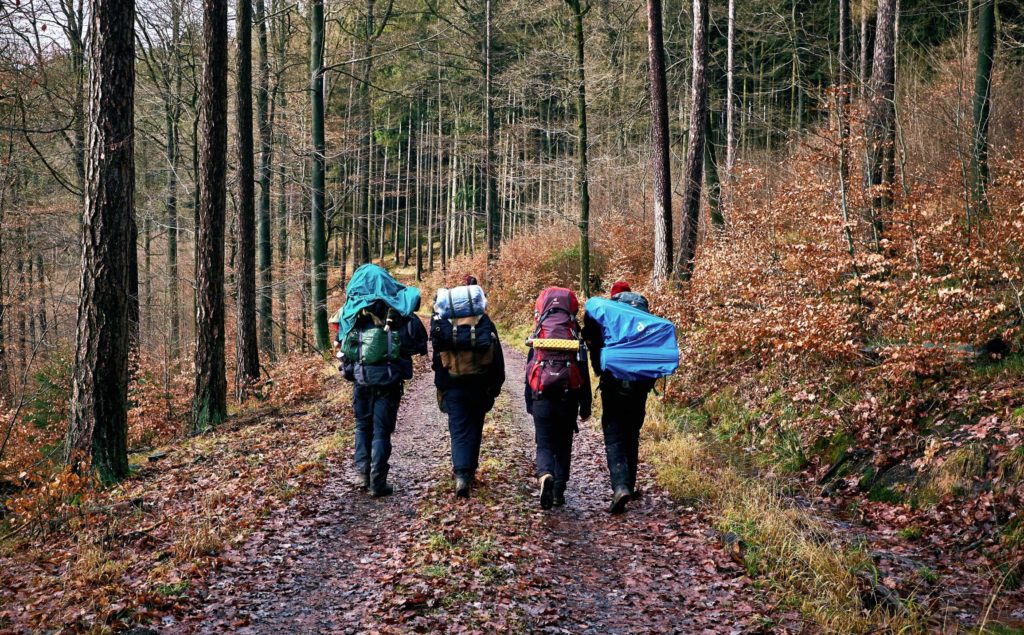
(619, 287)
(470, 279)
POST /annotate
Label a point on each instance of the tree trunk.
(365, 205)
(730, 98)
(713, 182)
(582, 181)
(247, 358)
(844, 82)
(491, 195)
(172, 120)
(318, 237)
(210, 406)
(264, 226)
(99, 394)
(661, 154)
(881, 116)
(982, 105)
(694, 168)
(283, 258)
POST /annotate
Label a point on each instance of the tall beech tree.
(99, 393)
(247, 356)
(264, 250)
(318, 231)
(661, 158)
(881, 117)
(982, 105)
(693, 171)
(582, 178)
(210, 401)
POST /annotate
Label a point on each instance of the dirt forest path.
(337, 561)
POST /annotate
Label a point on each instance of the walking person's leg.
(545, 426)
(385, 415)
(565, 431)
(465, 424)
(362, 407)
(638, 407)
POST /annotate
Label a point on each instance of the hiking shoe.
(462, 486)
(382, 490)
(619, 500)
(636, 493)
(547, 491)
(362, 480)
(559, 499)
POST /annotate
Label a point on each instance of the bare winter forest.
(826, 197)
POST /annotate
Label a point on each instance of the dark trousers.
(466, 408)
(376, 411)
(623, 416)
(554, 423)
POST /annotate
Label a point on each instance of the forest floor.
(336, 560)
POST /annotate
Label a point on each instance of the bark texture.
(99, 393)
(694, 167)
(660, 153)
(210, 401)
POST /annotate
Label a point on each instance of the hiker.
(378, 333)
(624, 392)
(557, 389)
(469, 370)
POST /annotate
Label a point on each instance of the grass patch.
(811, 569)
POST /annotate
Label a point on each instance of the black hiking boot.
(380, 491)
(547, 491)
(559, 499)
(462, 486)
(619, 500)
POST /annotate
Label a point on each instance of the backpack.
(637, 345)
(634, 300)
(373, 340)
(557, 362)
(457, 302)
(465, 345)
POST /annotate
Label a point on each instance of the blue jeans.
(376, 411)
(466, 410)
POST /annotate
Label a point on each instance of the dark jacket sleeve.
(414, 337)
(527, 392)
(594, 337)
(586, 396)
(496, 373)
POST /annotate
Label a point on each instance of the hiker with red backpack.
(557, 389)
(629, 349)
(469, 370)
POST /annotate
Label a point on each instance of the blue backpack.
(637, 345)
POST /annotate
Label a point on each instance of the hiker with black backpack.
(469, 370)
(557, 389)
(649, 351)
(378, 333)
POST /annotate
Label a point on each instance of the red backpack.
(553, 370)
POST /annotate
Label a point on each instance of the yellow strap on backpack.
(551, 344)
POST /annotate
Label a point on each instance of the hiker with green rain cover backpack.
(378, 333)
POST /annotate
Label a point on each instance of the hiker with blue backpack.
(629, 349)
(378, 334)
(469, 370)
(557, 389)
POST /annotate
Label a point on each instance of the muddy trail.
(337, 561)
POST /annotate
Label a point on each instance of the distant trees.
(661, 172)
(693, 171)
(99, 396)
(210, 401)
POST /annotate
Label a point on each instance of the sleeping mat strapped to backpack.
(637, 345)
